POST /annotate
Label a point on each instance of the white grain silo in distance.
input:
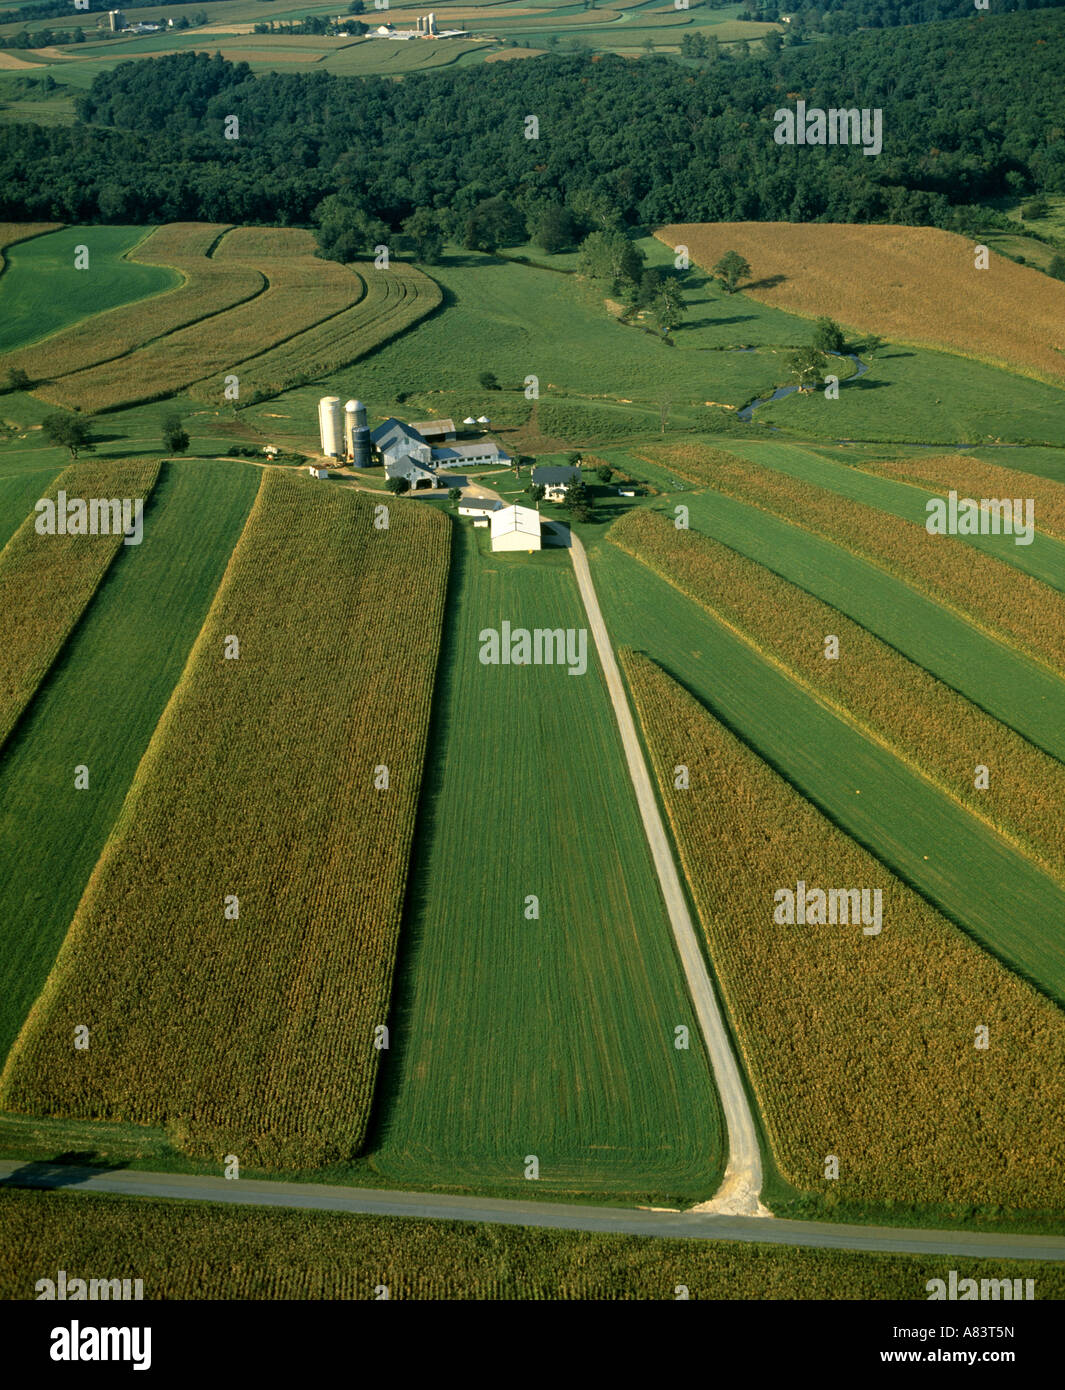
(329, 426)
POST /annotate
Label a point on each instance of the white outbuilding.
(516, 528)
(479, 506)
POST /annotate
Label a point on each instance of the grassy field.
(999, 599)
(894, 488)
(393, 300)
(921, 719)
(926, 839)
(46, 581)
(263, 771)
(971, 477)
(1008, 315)
(99, 707)
(193, 1250)
(857, 1046)
(301, 291)
(19, 492)
(208, 288)
(552, 1036)
(42, 291)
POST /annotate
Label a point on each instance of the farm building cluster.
(417, 451)
(425, 28)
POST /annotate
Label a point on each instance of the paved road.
(551, 1215)
(739, 1192)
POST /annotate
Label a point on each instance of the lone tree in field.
(489, 381)
(68, 431)
(1057, 267)
(17, 379)
(828, 336)
(808, 364)
(873, 344)
(604, 472)
(454, 494)
(577, 501)
(175, 436)
(667, 308)
(397, 485)
(730, 270)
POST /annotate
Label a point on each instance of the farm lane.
(543, 1215)
(741, 1187)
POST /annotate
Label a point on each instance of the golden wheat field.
(857, 1046)
(919, 717)
(1004, 601)
(301, 290)
(393, 300)
(209, 288)
(47, 581)
(971, 477)
(232, 990)
(182, 1249)
(914, 285)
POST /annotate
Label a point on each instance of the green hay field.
(42, 292)
(554, 1036)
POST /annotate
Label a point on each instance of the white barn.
(516, 528)
(479, 506)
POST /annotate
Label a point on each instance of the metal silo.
(329, 427)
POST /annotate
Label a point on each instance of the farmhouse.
(516, 528)
(555, 481)
(479, 506)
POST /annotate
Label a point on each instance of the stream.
(782, 391)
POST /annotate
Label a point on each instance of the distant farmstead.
(406, 450)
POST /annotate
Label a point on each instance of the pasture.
(857, 1045)
(282, 909)
(550, 1036)
(194, 1250)
(41, 290)
(98, 708)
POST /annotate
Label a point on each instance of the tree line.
(973, 110)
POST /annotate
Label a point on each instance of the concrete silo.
(329, 426)
(356, 434)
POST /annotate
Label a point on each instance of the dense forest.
(847, 16)
(972, 109)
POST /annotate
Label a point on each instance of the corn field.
(1007, 602)
(393, 299)
(210, 287)
(1009, 315)
(46, 582)
(200, 1250)
(859, 1047)
(921, 718)
(300, 291)
(233, 952)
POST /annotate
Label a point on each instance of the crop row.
(198, 1250)
(234, 950)
(210, 287)
(301, 290)
(925, 720)
(393, 299)
(1009, 603)
(860, 1047)
(971, 477)
(46, 581)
